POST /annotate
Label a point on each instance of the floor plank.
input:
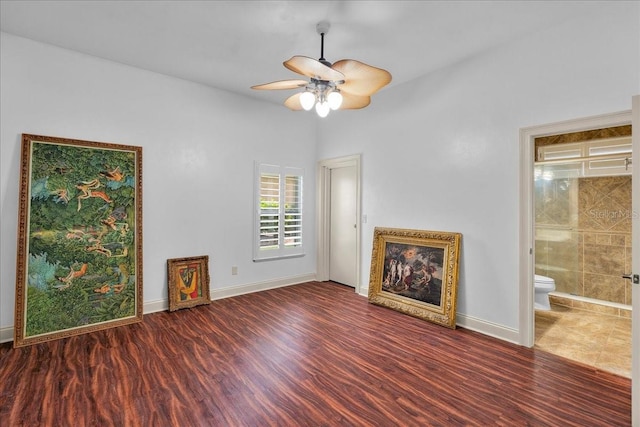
(314, 354)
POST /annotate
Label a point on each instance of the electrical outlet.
(234, 270)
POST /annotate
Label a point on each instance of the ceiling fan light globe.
(322, 108)
(335, 100)
(307, 99)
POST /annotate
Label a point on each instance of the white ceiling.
(233, 45)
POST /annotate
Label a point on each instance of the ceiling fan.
(346, 84)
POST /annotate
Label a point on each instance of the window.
(607, 157)
(278, 212)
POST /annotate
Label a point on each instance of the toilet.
(542, 286)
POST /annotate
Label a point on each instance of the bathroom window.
(608, 157)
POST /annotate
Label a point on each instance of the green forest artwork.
(81, 237)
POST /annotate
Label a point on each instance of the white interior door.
(324, 251)
(635, 258)
(343, 223)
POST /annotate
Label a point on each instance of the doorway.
(582, 231)
(339, 221)
(526, 234)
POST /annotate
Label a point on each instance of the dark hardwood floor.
(314, 354)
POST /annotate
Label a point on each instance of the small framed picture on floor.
(188, 282)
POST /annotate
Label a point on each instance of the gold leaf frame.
(79, 249)
(426, 283)
(195, 271)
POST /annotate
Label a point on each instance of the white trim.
(155, 306)
(260, 286)
(487, 328)
(323, 228)
(6, 334)
(635, 263)
(526, 246)
(478, 325)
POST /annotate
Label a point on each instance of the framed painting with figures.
(416, 272)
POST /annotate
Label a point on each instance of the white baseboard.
(488, 328)
(477, 325)
(260, 286)
(462, 320)
(155, 306)
(6, 334)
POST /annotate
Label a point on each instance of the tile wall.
(583, 235)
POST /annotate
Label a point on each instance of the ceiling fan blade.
(282, 84)
(360, 78)
(293, 102)
(354, 102)
(312, 68)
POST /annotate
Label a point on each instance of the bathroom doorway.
(527, 213)
(582, 233)
(526, 235)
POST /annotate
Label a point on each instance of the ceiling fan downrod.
(323, 28)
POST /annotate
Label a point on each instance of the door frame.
(527, 238)
(635, 263)
(323, 189)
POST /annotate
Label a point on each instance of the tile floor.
(595, 339)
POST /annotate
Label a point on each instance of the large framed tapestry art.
(79, 264)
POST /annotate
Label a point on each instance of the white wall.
(199, 145)
(441, 153)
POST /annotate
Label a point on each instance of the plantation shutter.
(278, 224)
(293, 211)
(269, 211)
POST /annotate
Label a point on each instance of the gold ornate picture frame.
(416, 272)
(188, 282)
(79, 257)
